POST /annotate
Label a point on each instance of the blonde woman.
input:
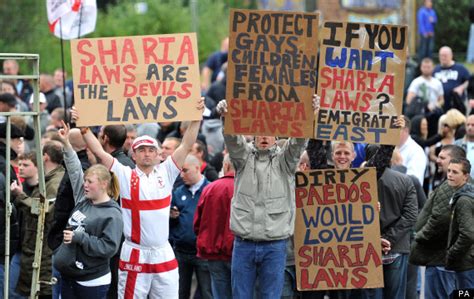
(94, 229)
(457, 121)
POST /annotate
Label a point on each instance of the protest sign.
(271, 74)
(337, 230)
(360, 82)
(136, 79)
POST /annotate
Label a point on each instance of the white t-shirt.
(100, 281)
(155, 188)
(430, 89)
(414, 159)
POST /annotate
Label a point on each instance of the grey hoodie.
(97, 231)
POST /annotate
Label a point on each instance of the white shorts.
(147, 272)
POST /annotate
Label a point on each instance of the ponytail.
(104, 175)
(114, 189)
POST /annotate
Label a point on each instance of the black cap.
(8, 99)
(29, 133)
(15, 131)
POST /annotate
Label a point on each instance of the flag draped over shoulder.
(74, 18)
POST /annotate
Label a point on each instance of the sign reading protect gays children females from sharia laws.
(361, 78)
(337, 230)
(136, 79)
(271, 73)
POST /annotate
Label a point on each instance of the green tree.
(453, 25)
(25, 27)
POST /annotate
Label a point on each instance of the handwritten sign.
(361, 77)
(271, 75)
(337, 230)
(136, 79)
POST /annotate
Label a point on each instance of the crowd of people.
(136, 211)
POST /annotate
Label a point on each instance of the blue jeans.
(395, 282)
(14, 276)
(258, 261)
(465, 280)
(70, 289)
(426, 47)
(220, 279)
(187, 264)
(289, 285)
(57, 287)
(439, 283)
(412, 281)
(395, 278)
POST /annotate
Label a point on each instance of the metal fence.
(40, 206)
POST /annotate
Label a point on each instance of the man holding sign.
(263, 210)
(343, 155)
(147, 263)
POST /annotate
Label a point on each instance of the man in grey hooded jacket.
(262, 211)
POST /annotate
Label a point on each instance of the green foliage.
(453, 25)
(27, 30)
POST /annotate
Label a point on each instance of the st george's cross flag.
(75, 18)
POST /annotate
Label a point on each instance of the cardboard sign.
(337, 230)
(360, 82)
(271, 74)
(136, 79)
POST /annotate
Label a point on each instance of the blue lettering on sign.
(339, 234)
(349, 225)
(368, 214)
(357, 59)
(323, 131)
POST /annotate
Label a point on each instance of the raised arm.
(236, 144)
(292, 151)
(73, 165)
(92, 143)
(189, 138)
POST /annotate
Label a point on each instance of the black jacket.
(210, 173)
(460, 255)
(14, 225)
(420, 193)
(397, 196)
(415, 133)
(123, 158)
(3, 162)
(429, 246)
(64, 205)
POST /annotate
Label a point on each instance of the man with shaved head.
(47, 86)
(182, 236)
(455, 79)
